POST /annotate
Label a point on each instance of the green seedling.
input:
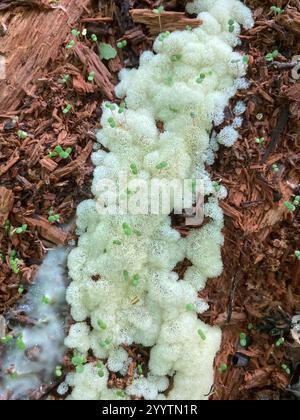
(134, 169)
(112, 122)
(250, 327)
(107, 52)
(271, 56)
(217, 186)
(175, 58)
(190, 307)
(122, 44)
(126, 275)
(59, 151)
(120, 394)
(201, 334)
(65, 79)
(46, 300)
(231, 25)
(67, 109)
(22, 134)
(117, 242)
(94, 38)
(276, 10)
(70, 44)
(162, 165)
(20, 229)
(135, 280)
(297, 254)
(112, 107)
(101, 324)
(275, 168)
(6, 340)
(280, 342)
(21, 289)
(223, 368)
(140, 369)
(14, 262)
(259, 140)
(58, 371)
(290, 206)
(100, 368)
(127, 229)
(20, 343)
(14, 375)
(91, 76)
(286, 369)
(159, 10)
(243, 340)
(53, 218)
(75, 33)
(122, 108)
(164, 35)
(188, 28)
(78, 361)
(296, 201)
(105, 343)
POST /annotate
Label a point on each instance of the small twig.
(283, 66)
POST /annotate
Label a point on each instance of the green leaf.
(107, 52)
(162, 165)
(127, 229)
(126, 275)
(201, 334)
(134, 169)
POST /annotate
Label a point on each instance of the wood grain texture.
(33, 37)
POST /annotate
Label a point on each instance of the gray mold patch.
(29, 358)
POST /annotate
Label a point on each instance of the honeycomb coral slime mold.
(124, 289)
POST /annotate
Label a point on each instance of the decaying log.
(33, 37)
(167, 21)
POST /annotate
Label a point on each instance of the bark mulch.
(48, 96)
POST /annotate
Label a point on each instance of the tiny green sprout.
(70, 44)
(162, 165)
(286, 369)
(122, 44)
(53, 218)
(67, 109)
(296, 201)
(140, 369)
(94, 38)
(112, 122)
(117, 242)
(110, 106)
(246, 59)
(105, 343)
(102, 324)
(134, 169)
(164, 35)
(65, 78)
(46, 300)
(289, 206)
(6, 340)
(297, 254)
(217, 186)
(14, 262)
(280, 342)
(259, 140)
(188, 28)
(126, 275)
(201, 334)
(231, 23)
(243, 340)
(100, 368)
(20, 343)
(21, 289)
(22, 134)
(159, 10)
(13, 375)
(122, 108)
(190, 307)
(250, 327)
(276, 10)
(58, 371)
(275, 168)
(223, 368)
(176, 57)
(201, 78)
(120, 394)
(75, 33)
(91, 76)
(272, 55)
(78, 362)
(135, 280)
(21, 229)
(127, 229)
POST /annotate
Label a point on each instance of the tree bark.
(32, 37)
